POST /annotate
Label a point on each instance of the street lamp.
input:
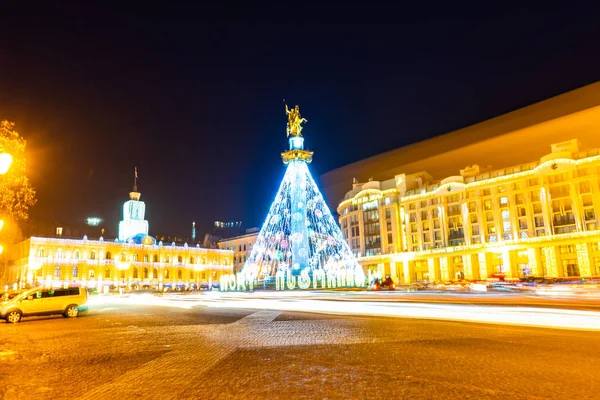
(5, 162)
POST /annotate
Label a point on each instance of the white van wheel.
(71, 312)
(13, 316)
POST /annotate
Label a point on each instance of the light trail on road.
(492, 314)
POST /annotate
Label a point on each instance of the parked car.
(9, 295)
(45, 301)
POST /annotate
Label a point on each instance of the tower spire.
(135, 195)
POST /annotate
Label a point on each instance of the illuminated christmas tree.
(300, 241)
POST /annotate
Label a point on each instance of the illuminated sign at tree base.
(318, 280)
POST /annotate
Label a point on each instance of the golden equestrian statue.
(294, 125)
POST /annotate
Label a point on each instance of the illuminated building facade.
(140, 264)
(534, 218)
(137, 262)
(241, 246)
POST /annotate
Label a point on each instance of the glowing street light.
(5, 162)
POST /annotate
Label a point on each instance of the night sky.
(198, 107)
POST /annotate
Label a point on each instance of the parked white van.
(45, 301)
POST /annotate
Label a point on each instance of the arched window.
(59, 253)
(155, 258)
(76, 254)
(191, 274)
(191, 260)
(123, 257)
(91, 274)
(107, 273)
(145, 257)
(135, 273)
(215, 261)
(179, 275)
(167, 259)
(41, 252)
(179, 259)
(145, 273)
(226, 261)
(57, 271)
(155, 273)
(203, 260)
(108, 255)
(166, 274)
(92, 255)
(135, 257)
(122, 274)
(203, 275)
(75, 272)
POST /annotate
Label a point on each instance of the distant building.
(516, 196)
(227, 228)
(138, 261)
(241, 247)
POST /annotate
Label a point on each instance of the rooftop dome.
(142, 238)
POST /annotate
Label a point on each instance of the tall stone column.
(481, 217)
(393, 271)
(383, 230)
(552, 258)
(534, 261)
(467, 267)
(514, 221)
(583, 260)
(470, 267)
(467, 230)
(396, 226)
(595, 188)
(577, 207)
(361, 232)
(483, 259)
(546, 209)
(529, 214)
(444, 273)
(407, 273)
(433, 266)
(443, 217)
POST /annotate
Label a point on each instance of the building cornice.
(81, 242)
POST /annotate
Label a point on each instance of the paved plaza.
(135, 351)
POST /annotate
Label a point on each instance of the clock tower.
(133, 215)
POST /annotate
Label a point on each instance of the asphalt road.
(121, 351)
